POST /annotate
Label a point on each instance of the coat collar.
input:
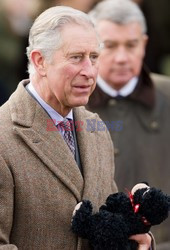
(145, 90)
(31, 123)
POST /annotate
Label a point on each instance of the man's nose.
(88, 69)
(121, 55)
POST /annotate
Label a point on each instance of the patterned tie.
(67, 128)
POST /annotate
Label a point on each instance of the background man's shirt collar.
(124, 91)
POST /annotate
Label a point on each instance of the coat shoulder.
(162, 83)
(5, 119)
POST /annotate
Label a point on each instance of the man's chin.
(119, 82)
(81, 103)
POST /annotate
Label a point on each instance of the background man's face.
(123, 52)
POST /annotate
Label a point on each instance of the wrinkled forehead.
(111, 31)
(82, 25)
(111, 25)
(77, 33)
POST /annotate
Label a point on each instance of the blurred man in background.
(133, 103)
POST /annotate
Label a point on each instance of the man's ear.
(145, 40)
(144, 43)
(38, 60)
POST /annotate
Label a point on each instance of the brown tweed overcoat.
(40, 183)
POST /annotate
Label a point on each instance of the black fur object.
(122, 216)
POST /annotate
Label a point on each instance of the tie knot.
(119, 97)
(65, 125)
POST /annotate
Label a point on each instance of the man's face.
(71, 77)
(123, 52)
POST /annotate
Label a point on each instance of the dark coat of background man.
(41, 179)
(134, 103)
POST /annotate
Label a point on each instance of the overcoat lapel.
(31, 123)
(87, 138)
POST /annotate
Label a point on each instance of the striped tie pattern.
(67, 128)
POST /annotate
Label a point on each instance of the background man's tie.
(67, 128)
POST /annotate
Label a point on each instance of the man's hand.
(144, 241)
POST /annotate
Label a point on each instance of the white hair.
(45, 33)
(118, 11)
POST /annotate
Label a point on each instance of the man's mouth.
(82, 88)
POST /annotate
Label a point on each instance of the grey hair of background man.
(118, 11)
(46, 32)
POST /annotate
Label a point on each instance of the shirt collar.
(57, 118)
(124, 91)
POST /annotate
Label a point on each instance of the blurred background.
(16, 17)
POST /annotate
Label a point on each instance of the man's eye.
(94, 58)
(76, 58)
(131, 45)
(108, 45)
